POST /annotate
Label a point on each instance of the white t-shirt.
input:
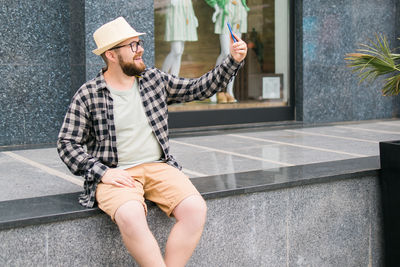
(136, 142)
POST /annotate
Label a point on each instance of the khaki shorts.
(158, 182)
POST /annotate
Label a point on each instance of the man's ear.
(111, 56)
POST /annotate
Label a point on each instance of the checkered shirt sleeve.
(78, 142)
(186, 90)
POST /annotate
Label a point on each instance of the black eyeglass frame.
(140, 42)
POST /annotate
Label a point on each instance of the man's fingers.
(240, 50)
(240, 44)
(124, 178)
(124, 183)
(240, 47)
(119, 178)
(236, 37)
(129, 182)
(118, 184)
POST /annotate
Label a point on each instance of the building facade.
(295, 69)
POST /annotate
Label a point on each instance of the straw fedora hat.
(113, 33)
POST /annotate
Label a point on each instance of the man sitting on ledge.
(115, 134)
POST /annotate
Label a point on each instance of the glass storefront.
(191, 37)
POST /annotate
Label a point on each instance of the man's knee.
(192, 209)
(131, 215)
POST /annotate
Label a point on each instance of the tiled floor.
(38, 172)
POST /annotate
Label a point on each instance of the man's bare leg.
(138, 239)
(190, 217)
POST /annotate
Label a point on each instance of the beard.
(131, 68)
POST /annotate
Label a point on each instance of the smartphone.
(230, 29)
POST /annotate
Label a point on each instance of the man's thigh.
(111, 197)
(166, 186)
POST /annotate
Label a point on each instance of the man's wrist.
(234, 62)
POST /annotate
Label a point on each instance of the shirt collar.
(101, 82)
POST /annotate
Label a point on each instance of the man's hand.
(239, 49)
(117, 177)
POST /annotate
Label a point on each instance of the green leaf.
(374, 60)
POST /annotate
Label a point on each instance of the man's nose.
(139, 49)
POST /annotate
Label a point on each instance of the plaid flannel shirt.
(87, 139)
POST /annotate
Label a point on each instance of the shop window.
(188, 43)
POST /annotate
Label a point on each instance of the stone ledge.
(335, 223)
(47, 209)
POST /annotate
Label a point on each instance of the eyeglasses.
(134, 46)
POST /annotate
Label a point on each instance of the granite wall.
(45, 56)
(326, 90)
(327, 224)
(36, 39)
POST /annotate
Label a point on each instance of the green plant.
(377, 59)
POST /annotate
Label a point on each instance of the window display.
(180, 26)
(192, 36)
